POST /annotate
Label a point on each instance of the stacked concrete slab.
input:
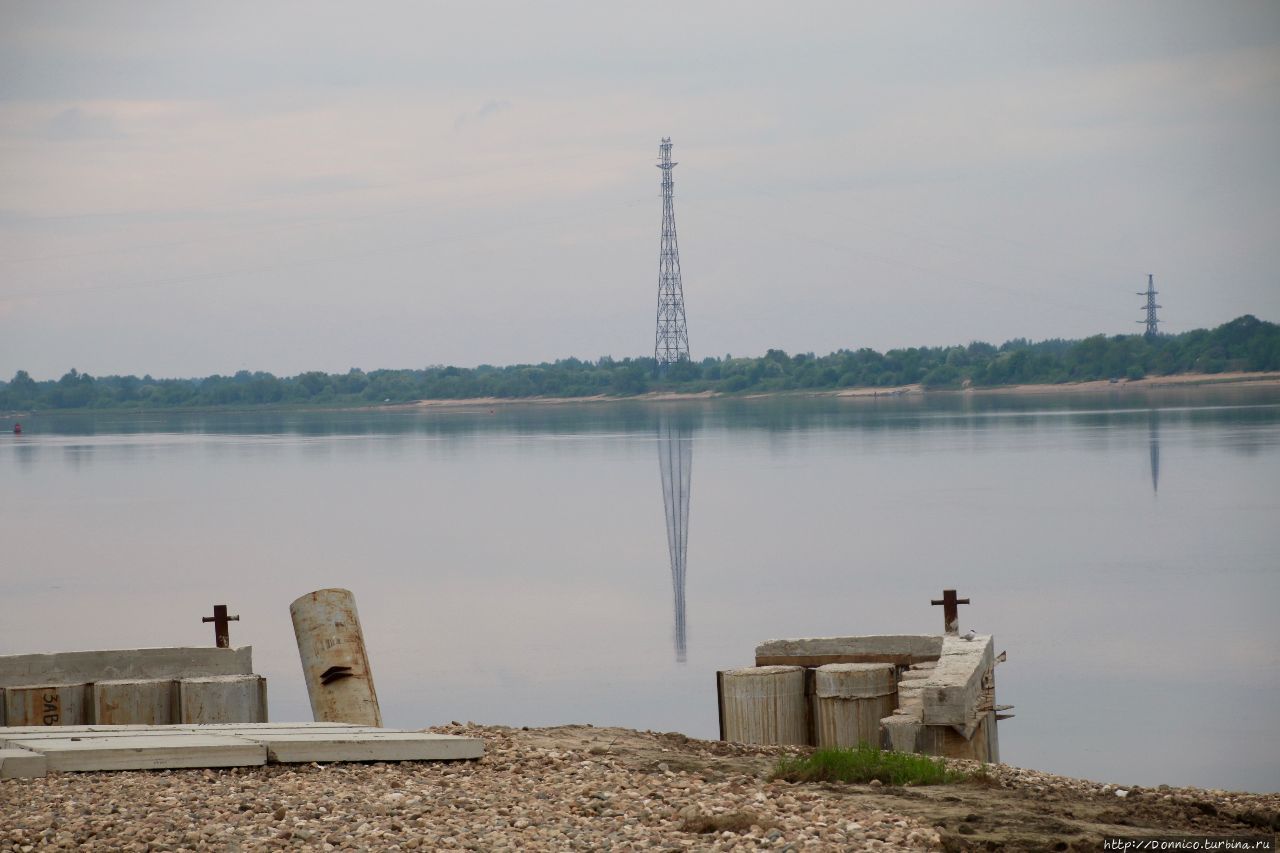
(947, 707)
(132, 686)
(913, 693)
(32, 751)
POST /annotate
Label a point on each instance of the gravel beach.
(586, 788)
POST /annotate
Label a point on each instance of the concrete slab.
(18, 763)
(78, 667)
(899, 649)
(368, 746)
(184, 749)
(249, 727)
(104, 732)
(130, 747)
(63, 731)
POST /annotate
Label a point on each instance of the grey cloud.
(74, 123)
(487, 110)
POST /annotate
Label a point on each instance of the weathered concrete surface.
(86, 748)
(380, 745)
(80, 667)
(334, 661)
(152, 702)
(932, 696)
(765, 705)
(855, 680)
(223, 699)
(850, 699)
(47, 704)
(900, 733)
(216, 728)
(901, 649)
(953, 689)
(18, 763)
(180, 749)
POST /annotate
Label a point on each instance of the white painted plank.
(21, 764)
(368, 746)
(146, 752)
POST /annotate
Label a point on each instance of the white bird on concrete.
(968, 635)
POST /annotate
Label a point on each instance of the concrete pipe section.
(334, 661)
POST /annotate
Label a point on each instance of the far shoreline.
(1186, 381)
(1181, 381)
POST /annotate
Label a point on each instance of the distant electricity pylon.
(1151, 307)
(671, 342)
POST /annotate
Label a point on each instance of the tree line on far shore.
(1246, 344)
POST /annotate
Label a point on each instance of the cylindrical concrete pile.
(334, 660)
(765, 704)
(849, 701)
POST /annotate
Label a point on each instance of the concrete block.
(152, 701)
(901, 649)
(954, 687)
(222, 699)
(47, 704)
(114, 664)
(18, 763)
(181, 749)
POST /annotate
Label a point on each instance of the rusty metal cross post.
(950, 610)
(221, 628)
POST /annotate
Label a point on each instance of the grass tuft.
(864, 763)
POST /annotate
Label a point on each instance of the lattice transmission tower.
(671, 342)
(1151, 307)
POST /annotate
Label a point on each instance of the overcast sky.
(196, 188)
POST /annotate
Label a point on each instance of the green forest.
(1245, 343)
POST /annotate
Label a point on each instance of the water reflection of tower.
(675, 461)
(1153, 431)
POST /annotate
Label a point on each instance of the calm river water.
(537, 564)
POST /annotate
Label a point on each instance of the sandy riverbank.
(1184, 381)
(584, 788)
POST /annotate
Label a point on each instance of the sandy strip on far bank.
(1181, 380)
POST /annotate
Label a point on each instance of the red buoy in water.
(17, 429)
